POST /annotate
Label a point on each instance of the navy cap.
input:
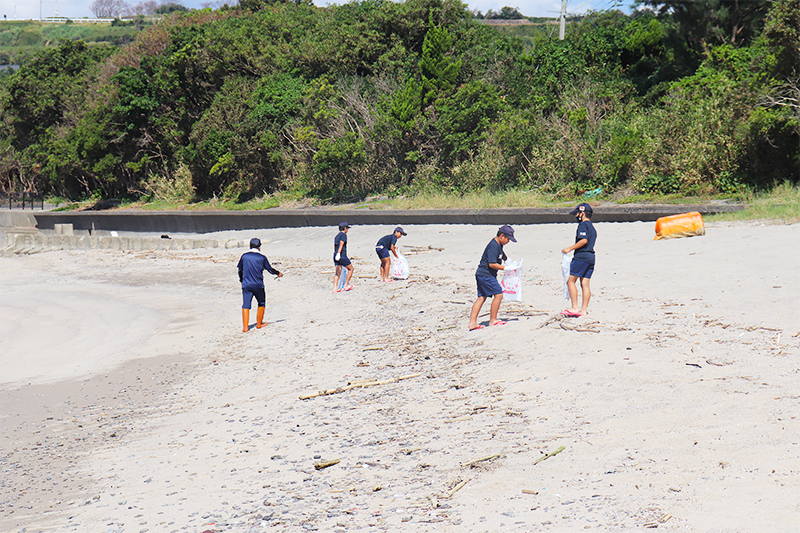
(585, 208)
(343, 225)
(508, 231)
(398, 228)
(255, 242)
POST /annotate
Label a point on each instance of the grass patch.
(473, 200)
(285, 199)
(781, 205)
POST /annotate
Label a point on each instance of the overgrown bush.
(376, 96)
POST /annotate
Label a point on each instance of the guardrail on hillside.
(19, 200)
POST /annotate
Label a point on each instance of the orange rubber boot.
(260, 318)
(246, 320)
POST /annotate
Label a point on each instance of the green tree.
(41, 93)
(782, 35)
(438, 70)
(465, 117)
(170, 7)
(713, 22)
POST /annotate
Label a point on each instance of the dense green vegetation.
(414, 97)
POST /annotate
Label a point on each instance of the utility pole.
(562, 20)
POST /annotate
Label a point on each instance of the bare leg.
(386, 265)
(497, 299)
(349, 275)
(586, 294)
(336, 277)
(476, 308)
(573, 293)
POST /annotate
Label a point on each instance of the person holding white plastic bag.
(383, 247)
(486, 277)
(582, 265)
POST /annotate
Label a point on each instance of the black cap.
(508, 231)
(585, 208)
(399, 229)
(255, 242)
(343, 225)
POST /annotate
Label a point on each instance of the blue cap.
(400, 230)
(582, 208)
(255, 242)
(343, 225)
(508, 231)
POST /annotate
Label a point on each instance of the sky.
(29, 9)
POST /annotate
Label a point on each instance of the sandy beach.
(130, 400)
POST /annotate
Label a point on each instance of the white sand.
(131, 401)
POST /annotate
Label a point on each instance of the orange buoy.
(683, 225)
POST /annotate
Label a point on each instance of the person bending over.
(383, 247)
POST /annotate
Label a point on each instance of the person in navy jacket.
(251, 274)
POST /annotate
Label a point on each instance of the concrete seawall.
(212, 221)
(28, 241)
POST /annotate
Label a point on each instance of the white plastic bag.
(566, 259)
(399, 266)
(512, 282)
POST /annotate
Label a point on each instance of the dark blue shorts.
(344, 261)
(383, 253)
(581, 269)
(488, 286)
(249, 292)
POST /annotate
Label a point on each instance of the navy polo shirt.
(387, 241)
(492, 254)
(341, 237)
(586, 252)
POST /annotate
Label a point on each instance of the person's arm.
(580, 244)
(496, 266)
(271, 270)
(338, 254)
(239, 266)
(394, 251)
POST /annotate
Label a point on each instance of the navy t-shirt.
(341, 237)
(586, 252)
(492, 254)
(251, 270)
(387, 242)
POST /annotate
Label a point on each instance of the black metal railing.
(22, 200)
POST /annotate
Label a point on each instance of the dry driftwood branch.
(459, 419)
(409, 451)
(361, 384)
(456, 489)
(585, 329)
(550, 320)
(325, 464)
(551, 454)
(482, 459)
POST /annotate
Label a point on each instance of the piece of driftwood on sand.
(357, 385)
